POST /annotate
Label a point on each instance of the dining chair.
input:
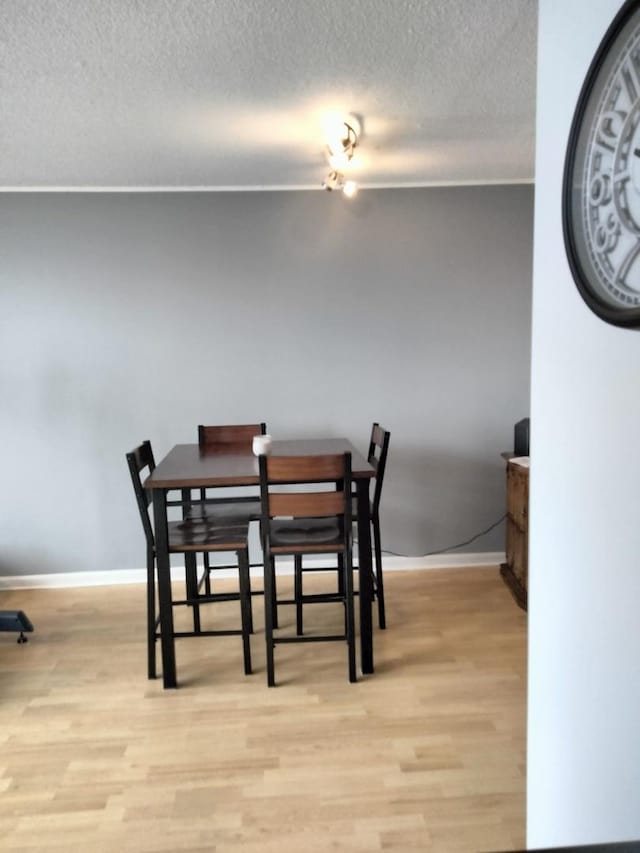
(224, 437)
(189, 537)
(309, 520)
(377, 458)
(218, 505)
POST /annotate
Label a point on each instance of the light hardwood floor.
(427, 754)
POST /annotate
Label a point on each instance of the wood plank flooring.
(427, 754)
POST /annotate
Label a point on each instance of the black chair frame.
(210, 436)
(304, 509)
(377, 458)
(235, 537)
(379, 441)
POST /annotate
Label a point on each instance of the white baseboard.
(129, 576)
(443, 561)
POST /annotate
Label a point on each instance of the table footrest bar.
(214, 598)
(320, 598)
(219, 566)
(306, 569)
(230, 633)
(317, 598)
(329, 638)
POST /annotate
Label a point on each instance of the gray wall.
(126, 317)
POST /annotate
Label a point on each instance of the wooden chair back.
(225, 435)
(209, 436)
(278, 471)
(377, 458)
(139, 460)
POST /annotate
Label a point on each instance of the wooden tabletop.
(192, 466)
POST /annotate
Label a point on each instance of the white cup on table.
(261, 445)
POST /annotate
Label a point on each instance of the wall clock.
(601, 188)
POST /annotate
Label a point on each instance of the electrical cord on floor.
(450, 547)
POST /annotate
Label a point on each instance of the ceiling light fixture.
(350, 189)
(341, 144)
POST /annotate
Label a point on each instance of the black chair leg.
(382, 620)
(191, 578)
(207, 574)
(340, 574)
(350, 618)
(274, 593)
(297, 591)
(249, 594)
(151, 613)
(269, 610)
(245, 607)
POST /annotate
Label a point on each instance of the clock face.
(601, 194)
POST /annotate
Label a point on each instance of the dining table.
(191, 466)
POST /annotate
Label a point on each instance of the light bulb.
(339, 160)
(350, 189)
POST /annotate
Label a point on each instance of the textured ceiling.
(233, 93)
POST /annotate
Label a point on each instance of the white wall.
(584, 620)
(125, 317)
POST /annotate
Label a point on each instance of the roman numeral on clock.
(631, 78)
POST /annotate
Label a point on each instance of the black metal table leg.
(164, 588)
(364, 576)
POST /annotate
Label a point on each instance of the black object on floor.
(15, 620)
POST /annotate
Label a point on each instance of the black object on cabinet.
(521, 438)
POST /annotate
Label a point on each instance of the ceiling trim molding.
(263, 188)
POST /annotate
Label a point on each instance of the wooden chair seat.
(198, 535)
(226, 511)
(305, 535)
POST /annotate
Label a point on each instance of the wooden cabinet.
(516, 570)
